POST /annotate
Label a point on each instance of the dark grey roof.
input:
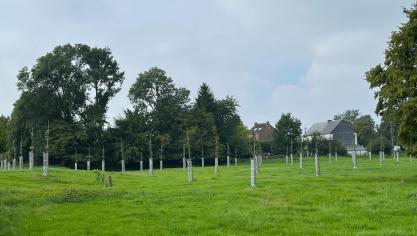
(323, 127)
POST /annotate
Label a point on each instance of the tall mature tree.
(395, 81)
(70, 85)
(205, 99)
(164, 105)
(202, 131)
(349, 115)
(287, 130)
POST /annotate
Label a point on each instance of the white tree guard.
(354, 160)
(30, 160)
(45, 166)
(103, 165)
(161, 165)
(216, 164)
(380, 158)
(252, 173)
(228, 161)
(370, 155)
(202, 162)
(123, 166)
(317, 164)
(20, 162)
(75, 166)
(190, 170)
(150, 167)
(88, 164)
(141, 165)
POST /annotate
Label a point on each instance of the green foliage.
(69, 87)
(4, 134)
(287, 134)
(395, 82)
(323, 146)
(365, 128)
(349, 116)
(380, 143)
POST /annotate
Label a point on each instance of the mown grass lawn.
(371, 200)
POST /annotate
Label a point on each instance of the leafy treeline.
(71, 87)
(288, 139)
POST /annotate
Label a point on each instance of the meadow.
(371, 200)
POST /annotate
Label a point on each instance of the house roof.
(263, 131)
(323, 127)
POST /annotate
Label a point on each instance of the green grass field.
(371, 200)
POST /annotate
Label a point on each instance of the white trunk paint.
(335, 155)
(370, 155)
(286, 159)
(183, 163)
(123, 166)
(228, 161)
(301, 160)
(202, 162)
(161, 165)
(45, 164)
(103, 165)
(141, 165)
(292, 159)
(235, 161)
(14, 163)
(252, 173)
(88, 165)
(75, 166)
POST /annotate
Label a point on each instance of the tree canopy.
(287, 131)
(395, 82)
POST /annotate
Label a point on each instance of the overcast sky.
(304, 57)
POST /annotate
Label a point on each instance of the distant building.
(263, 132)
(338, 130)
